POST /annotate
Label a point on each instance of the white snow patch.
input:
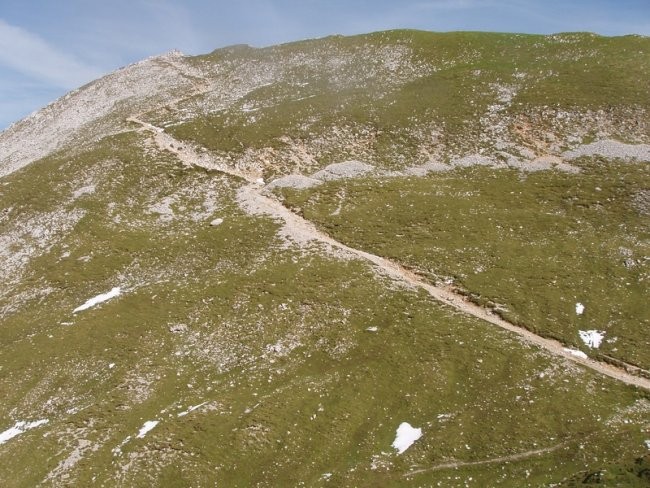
(372, 329)
(406, 435)
(576, 353)
(19, 428)
(191, 409)
(647, 443)
(580, 308)
(148, 425)
(111, 366)
(592, 338)
(99, 299)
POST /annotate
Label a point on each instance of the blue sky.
(48, 47)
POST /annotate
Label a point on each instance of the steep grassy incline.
(530, 248)
(256, 362)
(417, 103)
(403, 98)
(159, 328)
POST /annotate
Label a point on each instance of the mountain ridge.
(9, 136)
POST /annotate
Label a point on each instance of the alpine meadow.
(403, 258)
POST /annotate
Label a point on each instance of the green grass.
(275, 338)
(451, 83)
(329, 403)
(535, 245)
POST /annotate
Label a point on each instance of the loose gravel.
(611, 150)
(346, 169)
(299, 182)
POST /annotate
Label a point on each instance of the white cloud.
(446, 4)
(30, 55)
(123, 31)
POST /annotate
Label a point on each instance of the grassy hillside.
(236, 353)
(531, 247)
(398, 97)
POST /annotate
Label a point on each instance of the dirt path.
(302, 231)
(498, 460)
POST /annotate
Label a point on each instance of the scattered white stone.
(346, 169)
(99, 299)
(247, 107)
(474, 160)
(117, 451)
(406, 435)
(177, 328)
(327, 476)
(612, 150)
(294, 181)
(283, 347)
(381, 461)
(19, 428)
(426, 168)
(576, 353)
(647, 443)
(111, 366)
(216, 222)
(580, 308)
(372, 329)
(85, 190)
(148, 425)
(191, 409)
(164, 208)
(592, 338)
(259, 181)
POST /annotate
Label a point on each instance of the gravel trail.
(497, 460)
(301, 231)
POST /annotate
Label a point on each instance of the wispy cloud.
(123, 31)
(446, 4)
(30, 55)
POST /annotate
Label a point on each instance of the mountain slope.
(95, 110)
(188, 296)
